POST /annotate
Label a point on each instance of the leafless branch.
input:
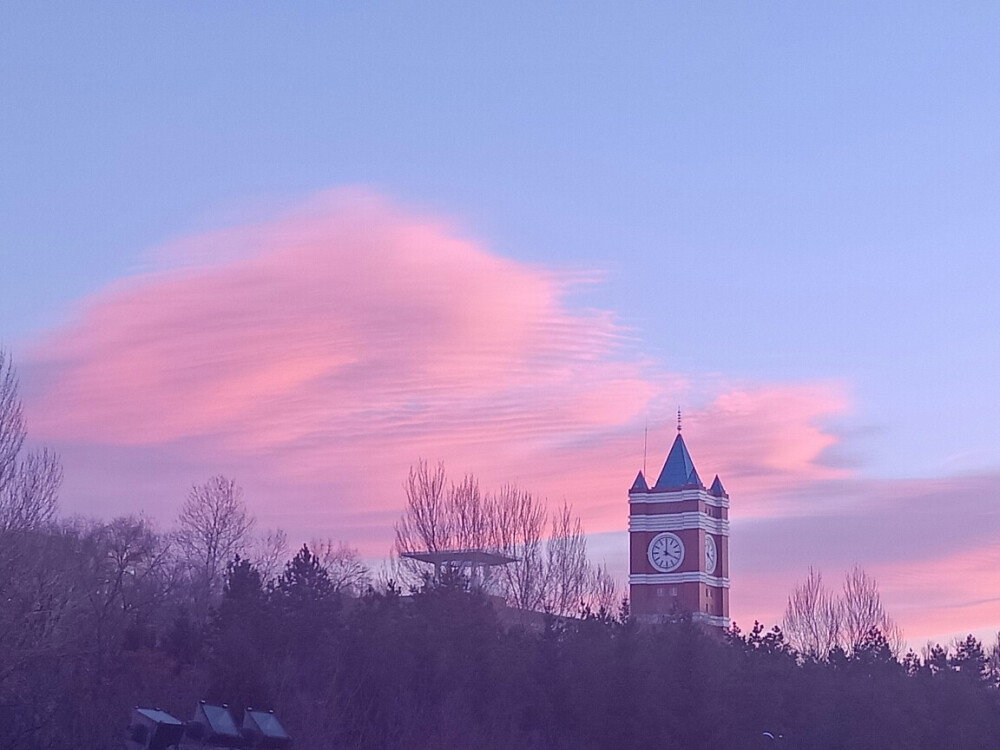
(213, 527)
(347, 573)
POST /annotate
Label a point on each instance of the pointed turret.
(639, 485)
(717, 489)
(678, 471)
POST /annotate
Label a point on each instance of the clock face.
(711, 554)
(666, 552)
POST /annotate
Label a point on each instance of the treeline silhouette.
(442, 666)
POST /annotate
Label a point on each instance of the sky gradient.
(308, 246)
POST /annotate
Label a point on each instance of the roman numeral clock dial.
(711, 555)
(666, 552)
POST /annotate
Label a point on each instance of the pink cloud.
(379, 309)
(317, 355)
(953, 593)
(935, 593)
(932, 544)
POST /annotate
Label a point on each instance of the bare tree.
(425, 524)
(550, 573)
(517, 529)
(993, 662)
(347, 573)
(131, 565)
(470, 514)
(864, 612)
(29, 486)
(12, 426)
(213, 527)
(604, 594)
(440, 517)
(129, 576)
(390, 573)
(30, 498)
(817, 620)
(813, 617)
(270, 553)
(567, 570)
(43, 622)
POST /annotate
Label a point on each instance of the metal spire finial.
(678, 419)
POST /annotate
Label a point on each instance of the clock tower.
(679, 544)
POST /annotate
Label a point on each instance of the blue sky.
(761, 194)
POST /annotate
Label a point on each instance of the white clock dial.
(666, 552)
(711, 554)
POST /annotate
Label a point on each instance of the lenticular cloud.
(317, 355)
(347, 337)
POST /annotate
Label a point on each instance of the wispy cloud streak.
(332, 346)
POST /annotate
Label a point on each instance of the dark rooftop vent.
(153, 729)
(213, 726)
(264, 730)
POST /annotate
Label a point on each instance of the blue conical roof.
(639, 485)
(717, 489)
(678, 471)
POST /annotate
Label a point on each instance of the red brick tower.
(679, 544)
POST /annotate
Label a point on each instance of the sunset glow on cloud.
(936, 569)
(342, 341)
(316, 356)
